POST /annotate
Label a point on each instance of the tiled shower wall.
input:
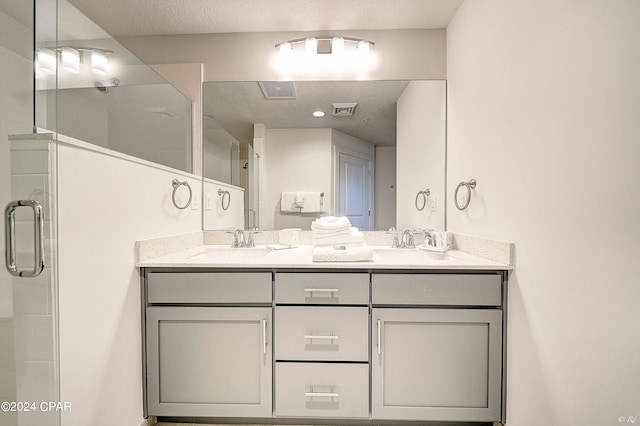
(32, 169)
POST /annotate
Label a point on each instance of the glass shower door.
(28, 339)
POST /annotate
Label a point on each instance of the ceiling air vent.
(277, 89)
(344, 109)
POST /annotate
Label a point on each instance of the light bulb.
(363, 47)
(99, 62)
(285, 49)
(70, 60)
(337, 45)
(311, 46)
(47, 61)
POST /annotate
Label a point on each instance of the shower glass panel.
(106, 96)
(29, 378)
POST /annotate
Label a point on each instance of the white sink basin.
(410, 256)
(232, 255)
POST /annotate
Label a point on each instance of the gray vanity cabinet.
(436, 361)
(205, 360)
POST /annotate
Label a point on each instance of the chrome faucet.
(238, 239)
(406, 241)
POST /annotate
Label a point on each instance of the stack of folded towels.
(335, 240)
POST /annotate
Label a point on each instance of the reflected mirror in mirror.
(372, 155)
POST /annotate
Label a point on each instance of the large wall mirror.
(374, 151)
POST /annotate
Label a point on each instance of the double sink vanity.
(268, 336)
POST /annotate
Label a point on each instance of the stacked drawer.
(321, 346)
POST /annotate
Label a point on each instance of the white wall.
(294, 160)
(105, 205)
(215, 216)
(421, 145)
(544, 100)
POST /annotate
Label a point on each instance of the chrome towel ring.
(425, 194)
(177, 184)
(469, 185)
(222, 193)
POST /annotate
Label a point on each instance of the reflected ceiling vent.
(344, 109)
(277, 89)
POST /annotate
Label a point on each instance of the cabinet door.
(436, 364)
(209, 361)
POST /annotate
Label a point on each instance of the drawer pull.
(322, 394)
(264, 336)
(379, 337)
(321, 337)
(322, 290)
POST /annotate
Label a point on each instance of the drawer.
(320, 288)
(322, 390)
(209, 287)
(319, 333)
(436, 289)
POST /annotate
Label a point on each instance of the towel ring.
(470, 185)
(224, 193)
(177, 184)
(425, 194)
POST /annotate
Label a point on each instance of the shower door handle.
(10, 238)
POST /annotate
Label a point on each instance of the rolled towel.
(351, 236)
(330, 223)
(350, 254)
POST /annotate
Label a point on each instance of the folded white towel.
(298, 201)
(288, 202)
(351, 236)
(351, 254)
(330, 223)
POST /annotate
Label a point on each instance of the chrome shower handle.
(10, 238)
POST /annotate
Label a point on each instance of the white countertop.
(216, 256)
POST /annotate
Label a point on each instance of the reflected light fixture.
(318, 114)
(99, 62)
(335, 45)
(70, 60)
(46, 61)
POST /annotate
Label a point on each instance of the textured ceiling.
(236, 106)
(152, 17)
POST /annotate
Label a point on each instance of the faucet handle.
(250, 240)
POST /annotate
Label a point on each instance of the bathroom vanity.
(284, 338)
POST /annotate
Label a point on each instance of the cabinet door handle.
(264, 336)
(322, 394)
(309, 336)
(322, 290)
(379, 332)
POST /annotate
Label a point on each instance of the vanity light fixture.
(324, 45)
(71, 59)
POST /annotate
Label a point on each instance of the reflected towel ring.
(425, 194)
(224, 193)
(177, 184)
(470, 185)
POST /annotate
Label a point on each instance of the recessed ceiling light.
(318, 114)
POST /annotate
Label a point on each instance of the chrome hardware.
(407, 239)
(379, 341)
(222, 193)
(311, 336)
(470, 185)
(177, 184)
(10, 238)
(322, 394)
(425, 195)
(238, 239)
(322, 290)
(250, 241)
(264, 336)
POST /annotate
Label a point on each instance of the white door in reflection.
(354, 189)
